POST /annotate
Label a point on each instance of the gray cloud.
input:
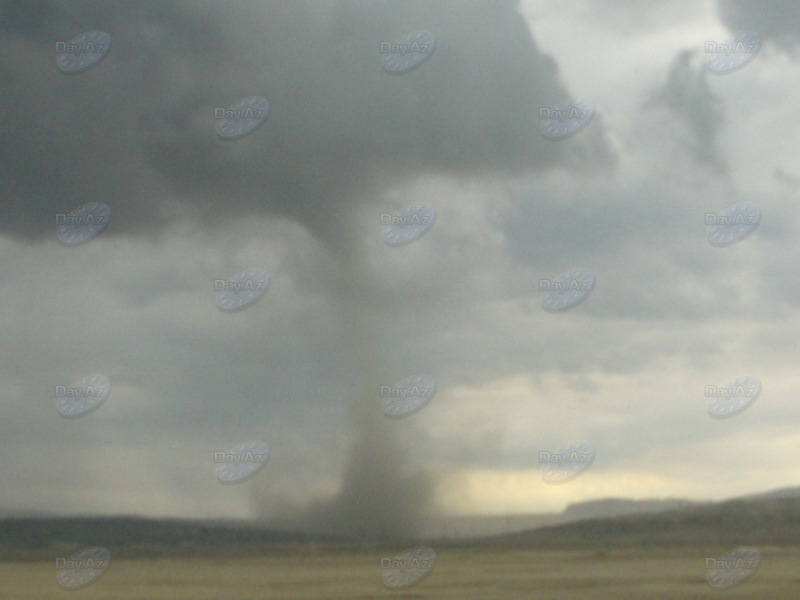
(778, 22)
(623, 17)
(137, 131)
(688, 97)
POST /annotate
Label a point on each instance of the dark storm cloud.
(138, 128)
(70, 139)
(778, 21)
(687, 95)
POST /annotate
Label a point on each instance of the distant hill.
(15, 513)
(615, 507)
(771, 518)
(603, 508)
(470, 527)
(734, 522)
(131, 537)
(793, 492)
(463, 527)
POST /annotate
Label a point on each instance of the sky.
(301, 197)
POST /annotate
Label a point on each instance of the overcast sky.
(302, 197)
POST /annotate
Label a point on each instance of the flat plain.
(458, 574)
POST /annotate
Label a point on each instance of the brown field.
(458, 575)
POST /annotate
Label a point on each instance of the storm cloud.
(137, 131)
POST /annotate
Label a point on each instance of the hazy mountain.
(462, 527)
(792, 492)
(17, 513)
(734, 522)
(769, 518)
(467, 527)
(614, 507)
(138, 537)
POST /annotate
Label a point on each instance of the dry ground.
(458, 575)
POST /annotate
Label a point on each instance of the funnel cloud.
(138, 132)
